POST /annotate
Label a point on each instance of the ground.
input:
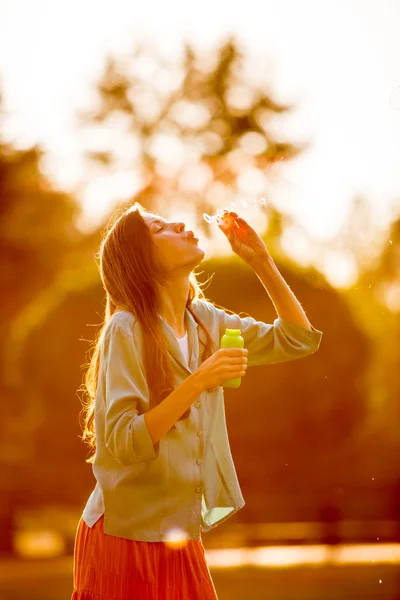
(52, 580)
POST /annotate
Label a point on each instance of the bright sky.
(338, 61)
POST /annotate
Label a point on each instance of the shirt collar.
(193, 342)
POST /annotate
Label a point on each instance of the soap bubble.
(239, 202)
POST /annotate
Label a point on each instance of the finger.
(240, 220)
(227, 217)
(238, 372)
(237, 369)
(231, 236)
(224, 225)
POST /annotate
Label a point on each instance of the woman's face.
(175, 249)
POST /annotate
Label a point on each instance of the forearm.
(162, 417)
(285, 302)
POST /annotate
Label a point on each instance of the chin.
(200, 255)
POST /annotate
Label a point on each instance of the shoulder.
(211, 311)
(121, 321)
(202, 308)
(123, 317)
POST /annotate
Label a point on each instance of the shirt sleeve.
(275, 342)
(126, 433)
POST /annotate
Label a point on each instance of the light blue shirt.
(187, 480)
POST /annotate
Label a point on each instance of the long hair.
(130, 275)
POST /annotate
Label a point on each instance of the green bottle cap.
(232, 332)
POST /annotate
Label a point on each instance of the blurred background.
(187, 108)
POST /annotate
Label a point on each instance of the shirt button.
(197, 405)
(198, 489)
(199, 433)
(198, 461)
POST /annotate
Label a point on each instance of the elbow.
(312, 348)
(126, 459)
(132, 444)
(306, 347)
(128, 456)
(296, 351)
(302, 339)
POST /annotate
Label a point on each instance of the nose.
(180, 226)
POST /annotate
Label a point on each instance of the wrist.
(264, 263)
(197, 383)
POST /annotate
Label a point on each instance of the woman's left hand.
(244, 241)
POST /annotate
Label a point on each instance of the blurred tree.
(376, 301)
(188, 129)
(39, 245)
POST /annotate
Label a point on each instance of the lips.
(190, 236)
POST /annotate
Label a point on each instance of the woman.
(155, 416)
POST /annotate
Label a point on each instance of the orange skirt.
(108, 567)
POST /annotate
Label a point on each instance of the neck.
(173, 305)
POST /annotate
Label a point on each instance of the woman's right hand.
(224, 364)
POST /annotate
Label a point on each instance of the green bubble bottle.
(232, 339)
